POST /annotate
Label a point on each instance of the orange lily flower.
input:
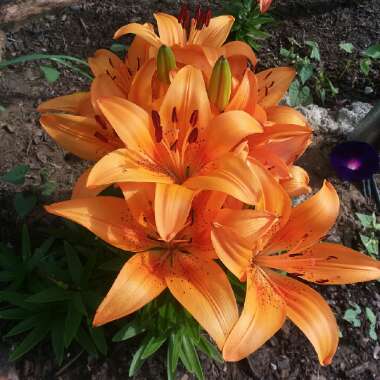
(169, 233)
(286, 133)
(271, 297)
(180, 143)
(204, 41)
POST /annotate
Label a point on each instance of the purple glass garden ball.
(354, 160)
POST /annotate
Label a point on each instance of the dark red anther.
(156, 119)
(198, 12)
(194, 118)
(174, 115)
(193, 136)
(183, 14)
(200, 20)
(101, 137)
(208, 16)
(158, 133)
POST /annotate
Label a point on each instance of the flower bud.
(219, 90)
(165, 63)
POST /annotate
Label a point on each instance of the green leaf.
(371, 244)
(174, 346)
(50, 73)
(16, 175)
(209, 349)
(372, 320)
(314, 54)
(137, 360)
(306, 73)
(85, 341)
(24, 203)
(373, 51)
(48, 188)
(72, 323)
(30, 341)
(154, 343)
(52, 294)
(351, 316)
(365, 65)
(14, 313)
(305, 96)
(97, 334)
(2, 108)
(24, 325)
(73, 262)
(294, 89)
(118, 48)
(366, 220)
(57, 340)
(190, 359)
(347, 47)
(130, 330)
(26, 248)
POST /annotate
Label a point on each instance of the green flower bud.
(165, 63)
(219, 89)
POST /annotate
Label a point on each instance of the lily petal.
(287, 141)
(139, 282)
(170, 30)
(103, 86)
(311, 313)
(141, 87)
(79, 135)
(240, 48)
(227, 130)
(245, 97)
(203, 289)
(81, 190)
(230, 174)
(125, 165)
(327, 263)
(298, 184)
(172, 205)
(263, 315)
(235, 233)
(308, 222)
(107, 217)
(144, 31)
(273, 84)
(215, 34)
(285, 115)
(186, 95)
(72, 103)
(138, 54)
(131, 123)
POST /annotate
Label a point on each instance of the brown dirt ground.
(79, 30)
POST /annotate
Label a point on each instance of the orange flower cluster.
(204, 156)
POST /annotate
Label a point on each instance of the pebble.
(376, 352)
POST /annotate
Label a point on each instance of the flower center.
(354, 164)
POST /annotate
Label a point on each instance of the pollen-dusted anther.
(194, 118)
(220, 86)
(193, 136)
(165, 63)
(208, 17)
(174, 115)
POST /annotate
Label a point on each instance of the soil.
(81, 29)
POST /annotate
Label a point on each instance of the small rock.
(368, 90)
(2, 43)
(64, 18)
(185, 377)
(376, 352)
